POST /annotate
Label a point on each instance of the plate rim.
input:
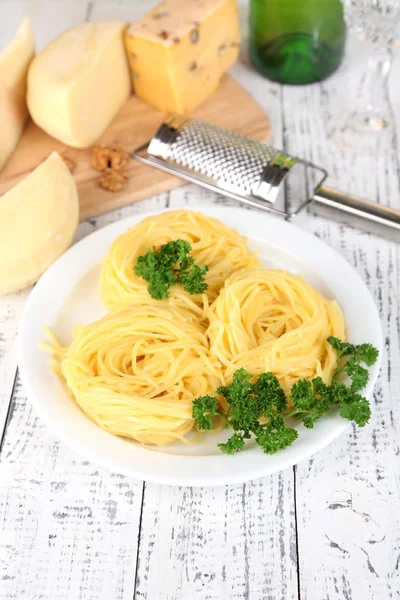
(217, 478)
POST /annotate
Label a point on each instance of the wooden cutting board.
(231, 107)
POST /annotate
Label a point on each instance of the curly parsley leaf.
(168, 265)
(275, 435)
(303, 395)
(342, 348)
(257, 405)
(271, 396)
(255, 409)
(234, 444)
(359, 375)
(367, 353)
(243, 410)
(203, 409)
(358, 411)
(313, 399)
(357, 354)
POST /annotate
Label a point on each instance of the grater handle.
(372, 217)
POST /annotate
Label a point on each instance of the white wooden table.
(326, 529)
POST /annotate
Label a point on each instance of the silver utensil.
(257, 174)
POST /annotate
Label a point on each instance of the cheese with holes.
(14, 63)
(78, 83)
(178, 54)
(38, 220)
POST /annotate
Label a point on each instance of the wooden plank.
(10, 311)
(68, 529)
(235, 542)
(346, 495)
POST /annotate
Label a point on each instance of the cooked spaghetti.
(271, 320)
(214, 244)
(135, 372)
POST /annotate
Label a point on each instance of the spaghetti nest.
(214, 244)
(136, 372)
(271, 320)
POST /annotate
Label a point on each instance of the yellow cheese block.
(78, 83)
(14, 62)
(177, 53)
(38, 220)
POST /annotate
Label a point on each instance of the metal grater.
(256, 174)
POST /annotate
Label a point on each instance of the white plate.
(68, 294)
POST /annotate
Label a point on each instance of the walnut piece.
(100, 157)
(119, 157)
(69, 162)
(109, 157)
(112, 180)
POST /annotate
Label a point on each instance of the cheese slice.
(14, 62)
(178, 54)
(78, 83)
(38, 219)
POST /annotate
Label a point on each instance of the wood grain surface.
(136, 123)
(328, 529)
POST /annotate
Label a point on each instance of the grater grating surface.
(224, 161)
(221, 155)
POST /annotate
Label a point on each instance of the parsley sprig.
(168, 265)
(259, 408)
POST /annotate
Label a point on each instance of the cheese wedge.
(78, 83)
(14, 62)
(177, 54)
(38, 220)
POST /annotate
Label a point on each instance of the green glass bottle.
(296, 41)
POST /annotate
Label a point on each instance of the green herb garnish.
(258, 408)
(169, 265)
